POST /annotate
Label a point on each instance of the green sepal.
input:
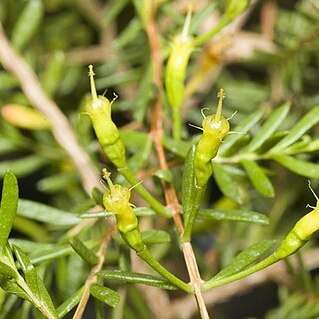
(137, 278)
(83, 251)
(104, 294)
(258, 178)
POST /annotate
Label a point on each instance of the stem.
(154, 203)
(261, 265)
(177, 127)
(92, 278)
(200, 40)
(196, 280)
(150, 260)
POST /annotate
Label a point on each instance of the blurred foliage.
(269, 70)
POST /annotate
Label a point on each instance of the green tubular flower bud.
(235, 7)
(116, 200)
(175, 73)
(215, 128)
(301, 232)
(176, 70)
(99, 110)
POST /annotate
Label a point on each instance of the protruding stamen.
(93, 89)
(106, 176)
(313, 192)
(139, 183)
(221, 95)
(202, 111)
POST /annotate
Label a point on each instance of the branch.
(61, 128)
(186, 307)
(92, 278)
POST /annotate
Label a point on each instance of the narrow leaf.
(12, 287)
(191, 194)
(155, 236)
(70, 303)
(233, 215)
(138, 278)
(23, 166)
(83, 251)
(269, 127)
(304, 124)
(7, 270)
(46, 214)
(179, 148)
(104, 294)
(28, 23)
(226, 184)
(245, 258)
(258, 178)
(165, 175)
(34, 281)
(298, 166)
(8, 209)
(245, 125)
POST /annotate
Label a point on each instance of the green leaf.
(34, 281)
(96, 215)
(46, 214)
(7, 270)
(57, 183)
(104, 294)
(8, 209)
(155, 236)
(269, 127)
(234, 215)
(12, 287)
(245, 258)
(51, 79)
(245, 125)
(144, 211)
(298, 166)
(191, 194)
(226, 184)
(179, 148)
(69, 304)
(141, 156)
(165, 175)
(28, 23)
(83, 251)
(303, 125)
(138, 278)
(149, 237)
(23, 166)
(258, 178)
